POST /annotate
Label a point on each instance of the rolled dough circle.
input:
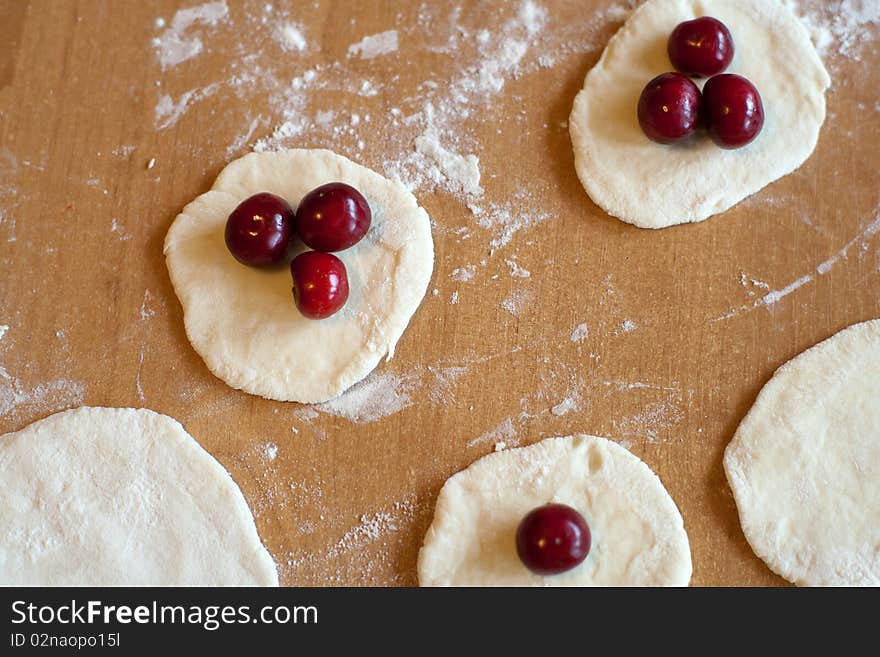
(638, 537)
(242, 321)
(654, 186)
(804, 464)
(122, 497)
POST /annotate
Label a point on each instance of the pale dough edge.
(732, 460)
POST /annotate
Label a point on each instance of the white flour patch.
(464, 274)
(291, 38)
(773, 296)
(516, 301)
(168, 111)
(117, 229)
(504, 222)
(442, 388)
(242, 140)
(504, 431)
(453, 298)
(374, 45)
(377, 396)
(269, 451)
(8, 224)
(580, 333)
(569, 403)
(516, 271)
(3, 329)
(842, 27)
(438, 159)
(137, 380)
(41, 399)
(123, 151)
(628, 326)
(459, 173)
(652, 423)
(146, 309)
(178, 43)
(870, 231)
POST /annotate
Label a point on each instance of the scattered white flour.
(243, 138)
(41, 399)
(168, 112)
(437, 160)
(377, 396)
(270, 451)
(453, 299)
(628, 326)
(580, 333)
(516, 271)
(651, 424)
(374, 45)
(442, 167)
(174, 45)
(867, 233)
(137, 379)
(846, 26)
(464, 274)
(146, 310)
(3, 329)
(504, 222)
(306, 414)
(570, 402)
(516, 301)
(504, 431)
(773, 296)
(123, 151)
(291, 38)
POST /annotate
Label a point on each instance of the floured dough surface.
(804, 464)
(122, 497)
(638, 537)
(654, 186)
(243, 321)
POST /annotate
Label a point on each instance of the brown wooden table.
(101, 146)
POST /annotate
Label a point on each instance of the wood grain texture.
(93, 319)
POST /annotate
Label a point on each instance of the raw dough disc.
(122, 497)
(638, 538)
(243, 321)
(654, 186)
(804, 464)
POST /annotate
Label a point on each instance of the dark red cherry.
(333, 217)
(701, 47)
(670, 108)
(259, 230)
(734, 112)
(320, 284)
(552, 539)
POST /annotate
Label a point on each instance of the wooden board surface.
(679, 342)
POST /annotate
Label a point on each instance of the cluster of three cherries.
(671, 106)
(332, 217)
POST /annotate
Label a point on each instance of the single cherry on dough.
(670, 108)
(320, 284)
(702, 47)
(552, 539)
(333, 217)
(734, 111)
(259, 230)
